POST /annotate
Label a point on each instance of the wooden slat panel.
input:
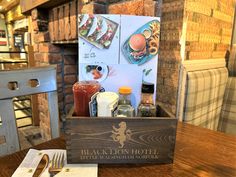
(45, 75)
(61, 23)
(55, 23)
(73, 20)
(51, 25)
(67, 22)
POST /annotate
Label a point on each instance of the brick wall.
(134, 7)
(169, 57)
(208, 35)
(65, 57)
(209, 28)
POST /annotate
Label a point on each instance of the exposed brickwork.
(54, 58)
(134, 7)
(68, 90)
(93, 8)
(209, 28)
(169, 55)
(41, 37)
(70, 79)
(48, 47)
(46, 53)
(69, 60)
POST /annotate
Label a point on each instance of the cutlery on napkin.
(43, 164)
(33, 158)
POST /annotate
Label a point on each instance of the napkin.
(33, 157)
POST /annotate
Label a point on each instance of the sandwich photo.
(95, 29)
(86, 24)
(103, 30)
(80, 17)
(138, 46)
(106, 39)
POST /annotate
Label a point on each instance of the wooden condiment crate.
(121, 140)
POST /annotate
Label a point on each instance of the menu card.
(119, 50)
(33, 157)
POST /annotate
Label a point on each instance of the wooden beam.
(14, 14)
(28, 5)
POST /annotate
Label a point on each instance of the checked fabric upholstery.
(204, 97)
(227, 122)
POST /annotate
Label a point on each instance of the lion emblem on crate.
(121, 134)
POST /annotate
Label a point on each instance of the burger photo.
(138, 46)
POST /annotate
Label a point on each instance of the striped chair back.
(204, 97)
(227, 122)
(201, 92)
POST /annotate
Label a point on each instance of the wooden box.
(121, 140)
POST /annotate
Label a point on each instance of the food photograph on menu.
(143, 44)
(97, 30)
(111, 50)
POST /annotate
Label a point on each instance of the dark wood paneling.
(121, 140)
(64, 23)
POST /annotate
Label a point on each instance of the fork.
(56, 164)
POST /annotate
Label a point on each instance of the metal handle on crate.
(13, 85)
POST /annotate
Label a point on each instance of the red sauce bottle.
(83, 91)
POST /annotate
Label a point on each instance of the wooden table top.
(198, 152)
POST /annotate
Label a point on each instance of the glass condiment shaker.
(83, 91)
(107, 103)
(125, 108)
(146, 107)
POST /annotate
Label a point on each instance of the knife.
(41, 166)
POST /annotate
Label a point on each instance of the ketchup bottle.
(83, 91)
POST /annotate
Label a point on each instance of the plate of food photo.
(98, 72)
(97, 30)
(143, 44)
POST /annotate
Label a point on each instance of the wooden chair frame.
(17, 83)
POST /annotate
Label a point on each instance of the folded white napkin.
(33, 157)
